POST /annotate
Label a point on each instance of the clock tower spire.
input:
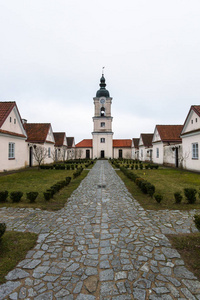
(102, 123)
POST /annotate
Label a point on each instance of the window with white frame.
(102, 140)
(11, 150)
(157, 152)
(195, 151)
(49, 152)
(141, 153)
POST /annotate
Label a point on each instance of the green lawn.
(39, 180)
(167, 181)
(13, 248)
(188, 245)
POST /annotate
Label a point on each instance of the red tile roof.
(86, 143)
(70, 141)
(5, 109)
(122, 143)
(12, 133)
(136, 142)
(196, 109)
(147, 139)
(170, 133)
(37, 132)
(59, 138)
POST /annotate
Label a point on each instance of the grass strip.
(188, 246)
(166, 181)
(13, 248)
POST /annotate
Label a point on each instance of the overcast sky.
(52, 53)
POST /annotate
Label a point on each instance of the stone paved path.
(102, 245)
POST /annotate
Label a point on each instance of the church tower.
(102, 123)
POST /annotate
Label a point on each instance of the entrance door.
(30, 156)
(176, 157)
(87, 153)
(102, 153)
(120, 153)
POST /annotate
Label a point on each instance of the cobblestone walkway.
(102, 245)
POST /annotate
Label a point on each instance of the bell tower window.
(103, 124)
(103, 113)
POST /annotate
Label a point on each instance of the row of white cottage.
(24, 144)
(174, 145)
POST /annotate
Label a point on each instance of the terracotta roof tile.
(169, 133)
(70, 141)
(12, 133)
(37, 132)
(86, 143)
(136, 142)
(122, 143)
(5, 109)
(59, 138)
(147, 139)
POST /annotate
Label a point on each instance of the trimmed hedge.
(3, 196)
(16, 196)
(2, 229)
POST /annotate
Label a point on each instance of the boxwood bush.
(2, 229)
(3, 196)
(178, 197)
(190, 195)
(16, 196)
(197, 221)
(32, 196)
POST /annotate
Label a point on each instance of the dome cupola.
(102, 92)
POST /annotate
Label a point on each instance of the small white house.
(71, 150)
(60, 151)
(122, 148)
(40, 142)
(145, 147)
(167, 148)
(135, 148)
(13, 148)
(191, 139)
(84, 149)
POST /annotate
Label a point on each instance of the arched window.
(103, 112)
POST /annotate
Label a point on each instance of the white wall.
(159, 159)
(106, 147)
(189, 163)
(21, 155)
(126, 153)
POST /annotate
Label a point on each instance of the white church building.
(102, 144)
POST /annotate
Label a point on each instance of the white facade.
(102, 128)
(191, 140)
(13, 148)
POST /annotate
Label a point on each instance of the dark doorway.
(87, 153)
(102, 153)
(176, 157)
(120, 153)
(30, 156)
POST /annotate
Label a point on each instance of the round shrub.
(3, 196)
(158, 197)
(178, 197)
(197, 221)
(16, 196)
(47, 196)
(190, 194)
(32, 196)
(2, 229)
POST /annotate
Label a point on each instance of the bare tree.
(39, 153)
(78, 153)
(54, 154)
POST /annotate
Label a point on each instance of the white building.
(102, 144)
(167, 148)
(191, 139)
(40, 136)
(13, 148)
(145, 147)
